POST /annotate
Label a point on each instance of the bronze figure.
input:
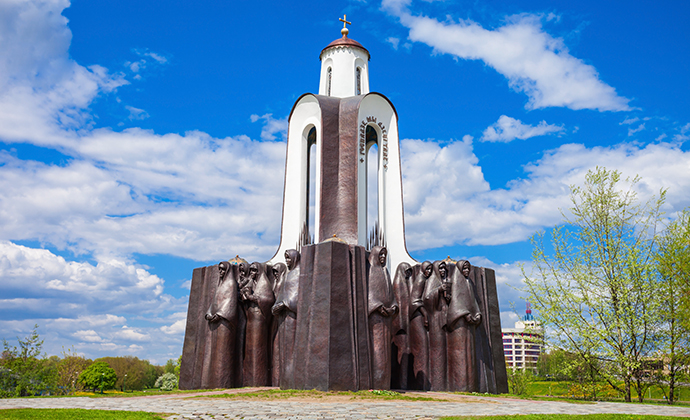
(285, 312)
(401, 366)
(219, 359)
(463, 316)
(381, 307)
(435, 303)
(257, 297)
(419, 324)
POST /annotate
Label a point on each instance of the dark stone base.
(332, 349)
(331, 342)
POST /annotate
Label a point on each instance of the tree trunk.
(627, 390)
(640, 391)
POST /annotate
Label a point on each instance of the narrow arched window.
(373, 188)
(358, 81)
(328, 82)
(311, 187)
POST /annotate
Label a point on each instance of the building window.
(358, 81)
(328, 81)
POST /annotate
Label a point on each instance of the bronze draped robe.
(436, 308)
(419, 340)
(286, 291)
(462, 369)
(400, 328)
(380, 294)
(220, 361)
(256, 368)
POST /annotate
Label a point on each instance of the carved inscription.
(371, 120)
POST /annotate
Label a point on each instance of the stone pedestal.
(332, 337)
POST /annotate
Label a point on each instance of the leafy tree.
(166, 382)
(70, 367)
(673, 264)
(566, 366)
(177, 367)
(518, 380)
(596, 291)
(153, 372)
(137, 371)
(170, 366)
(24, 373)
(98, 375)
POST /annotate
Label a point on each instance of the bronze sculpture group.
(420, 325)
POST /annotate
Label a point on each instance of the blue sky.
(141, 139)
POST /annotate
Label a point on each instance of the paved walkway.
(186, 406)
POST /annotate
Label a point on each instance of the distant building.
(523, 344)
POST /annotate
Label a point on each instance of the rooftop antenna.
(528, 313)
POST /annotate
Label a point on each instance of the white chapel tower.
(343, 121)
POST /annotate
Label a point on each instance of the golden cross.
(345, 22)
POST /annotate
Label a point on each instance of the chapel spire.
(344, 66)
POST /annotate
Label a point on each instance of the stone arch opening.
(372, 183)
(310, 196)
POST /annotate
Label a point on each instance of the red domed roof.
(345, 42)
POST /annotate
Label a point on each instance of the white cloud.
(393, 41)
(63, 286)
(448, 201)
(684, 133)
(629, 120)
(43, 92)
(533, 61)
(177, 327)
(143, 63)
(271, 126)
(131, 334)
(136, 113)
(632, 131)
(87, 335)
(508, 129)
(135, 191)
(159, 58)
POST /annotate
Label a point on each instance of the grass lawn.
(74, 414)
(112, 393)
(565, 417)
(604, 391)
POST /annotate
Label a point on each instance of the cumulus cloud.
(42, 91)
(64, 287)
(508, 129)
(271, 126)
(177, 327)
(448, 201)
(87, 335)
(135, 191)
(76, 301)
(533, 61)
(132, 334)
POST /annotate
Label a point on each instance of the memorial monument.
(324, 313)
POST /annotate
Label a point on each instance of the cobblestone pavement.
(186, 406)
